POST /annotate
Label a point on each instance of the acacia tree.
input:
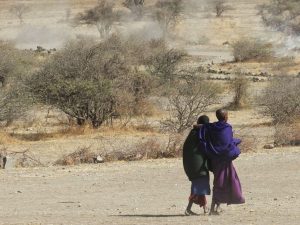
(102, 16)
(283, 15)
(168, 13)
(220, 7)
(19, 10)
(164, 64)
(91, 81)
(14, 66)
(135, 6)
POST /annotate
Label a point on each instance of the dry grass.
(249, 144)
(80, 156)
(149, 149)
(26, 159)
(286, 135)
(6, 138)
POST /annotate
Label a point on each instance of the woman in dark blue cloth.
(196, 168)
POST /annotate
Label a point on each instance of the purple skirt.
(227, 187)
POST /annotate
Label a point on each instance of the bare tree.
(102, 16)
(191, 98)
(135, 6)
(164, 64)
(220, 7)
(19, 10)
(168, 13)
(281, 101)
(239, 87)
(283, 15)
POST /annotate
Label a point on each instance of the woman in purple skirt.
(218, 144)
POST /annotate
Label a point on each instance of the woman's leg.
(188, 211)
(189, 207)
(214, 209)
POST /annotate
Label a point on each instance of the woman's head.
(222, 115)
(203, 119)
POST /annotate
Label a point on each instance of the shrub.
(251, 49)
(220, 7)
(164, 65)
(81, 156)
(15, 66)
(239, 86)
(102, 16)
(286, 134)
(168, 13)
(281, 101)
(90, 81)
(191, 97)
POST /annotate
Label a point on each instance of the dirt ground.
(148, 192)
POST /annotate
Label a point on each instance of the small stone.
(275, 199)
(269, 146)
(99, 159)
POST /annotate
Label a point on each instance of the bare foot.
(219, 209)
(206, 210)
(190, 213)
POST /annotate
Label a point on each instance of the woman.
(196, 168)
(218, 144)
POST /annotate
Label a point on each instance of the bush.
(287, 134)
(282, 103)
(80, 156)
(149, 149)
(281, 100)
(191, 97)
(164, 65)
(251, 49)
(239, 86)
(90, 81)
(168, 13)
(15, 66)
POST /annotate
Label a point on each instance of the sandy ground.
(148, 192)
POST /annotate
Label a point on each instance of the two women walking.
(211, 147)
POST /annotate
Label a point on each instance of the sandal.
(190, 213)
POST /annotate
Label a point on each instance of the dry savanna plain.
(129, 170)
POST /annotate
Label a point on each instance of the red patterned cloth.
(198, 199)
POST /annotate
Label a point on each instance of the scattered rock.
(98, 159)
(269, 146)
